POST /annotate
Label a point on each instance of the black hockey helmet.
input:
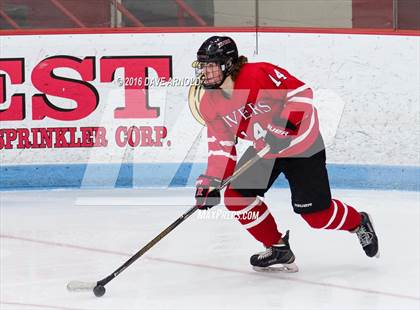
(219, 50)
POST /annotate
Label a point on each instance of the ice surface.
(49, 238)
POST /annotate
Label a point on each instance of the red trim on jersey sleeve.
(297, 108)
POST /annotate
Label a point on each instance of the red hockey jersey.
(262, 92)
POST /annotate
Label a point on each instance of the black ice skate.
(367, 236)
(278, 257)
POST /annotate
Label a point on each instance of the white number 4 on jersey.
(259, 132)
(279, 76)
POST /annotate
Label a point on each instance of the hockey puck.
(99, 291)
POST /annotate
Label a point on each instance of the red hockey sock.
(338, 216)
(254, 215)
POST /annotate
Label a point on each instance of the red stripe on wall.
(207, 30)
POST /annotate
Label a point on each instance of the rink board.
(171, 175)
(56, 80)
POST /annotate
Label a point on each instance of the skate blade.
(286, 268)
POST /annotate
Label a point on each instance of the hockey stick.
(99, 286)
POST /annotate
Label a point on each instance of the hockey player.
(266, 105)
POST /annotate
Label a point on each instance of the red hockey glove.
(207, 194)
(279, 134)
